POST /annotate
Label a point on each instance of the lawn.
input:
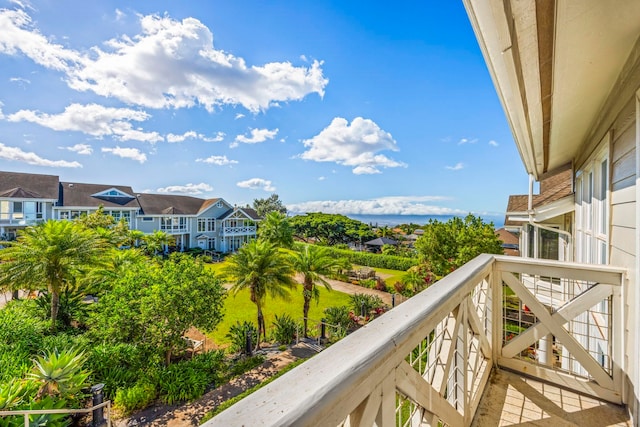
(240, 308)
(394, 275)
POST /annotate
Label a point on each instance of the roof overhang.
(546, 212)
(553, 64)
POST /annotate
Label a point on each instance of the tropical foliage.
(449, 245)
(49, 257)
(313, 263)
(263, 269)
(330, 229)
(275, 229)
(156, 303)
(271, 204)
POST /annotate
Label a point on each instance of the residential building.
(210, 224)
(568, 76)
(25, 199)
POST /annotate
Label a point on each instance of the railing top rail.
(570, 270)
(330, 385)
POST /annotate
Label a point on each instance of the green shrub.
(338, 316)
(119, 365)
(181, 382)
(365, 302)
(238, 335)
(139, 396)
(284, 329)
(374, 260)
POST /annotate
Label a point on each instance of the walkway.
(513, 400)
(352, 289)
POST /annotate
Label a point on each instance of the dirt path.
(189, 414)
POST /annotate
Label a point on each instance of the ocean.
(392, 220)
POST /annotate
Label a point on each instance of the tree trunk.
(260, 327)
(167, 357)
(307, 294)
(55, 305)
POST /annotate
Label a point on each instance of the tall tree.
(275, 228)
(264, 270)
(314, 262)
(330, 229)
(270, 204)
(51, 255)
(449, 245)
(158, 301)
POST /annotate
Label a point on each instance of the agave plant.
(11, 395)
(60, 374)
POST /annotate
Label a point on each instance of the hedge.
(369, 259)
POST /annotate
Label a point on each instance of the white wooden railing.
(427, 361)
(239, 231)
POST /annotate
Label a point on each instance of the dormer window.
(114, 195)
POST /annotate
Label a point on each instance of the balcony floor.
(513, 400)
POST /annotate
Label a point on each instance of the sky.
(358, 107)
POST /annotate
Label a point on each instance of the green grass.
(239, 308)
(396, 275)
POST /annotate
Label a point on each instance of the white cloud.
(18, 35)
(218, 160)
(83, 149)
(16, 154)
(239, 116)
(394, 205)
(457, 167)
(194, 135)
(92, 119)
(191, 189)
(322, 178)
(170, 64)
(120, 14)
(354, 144)
(467, 141)
(20, 81)
(257, 136)
(257, 184)
(22, 4)
(493, 143)
(127, 153)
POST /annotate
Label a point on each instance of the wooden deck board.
(513, 400)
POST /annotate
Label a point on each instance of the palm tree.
(314, 262)
(263, 269)
(157, 240)
(54, 253)
(276, 229)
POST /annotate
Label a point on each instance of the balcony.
(20, 219)
(544, 332)
(247, 230)
(174, 229)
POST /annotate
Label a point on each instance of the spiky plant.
(60, 374)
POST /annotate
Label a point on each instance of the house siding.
(622, 245)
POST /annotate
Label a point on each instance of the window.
(146, 218)
(17, 210)
(206, 224)
(592, 207)
(4, 209)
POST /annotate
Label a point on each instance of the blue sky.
(352, 107)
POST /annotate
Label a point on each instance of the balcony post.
(496, 314)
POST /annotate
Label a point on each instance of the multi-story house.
(25, 199)
(210, 224)
(560, 337)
